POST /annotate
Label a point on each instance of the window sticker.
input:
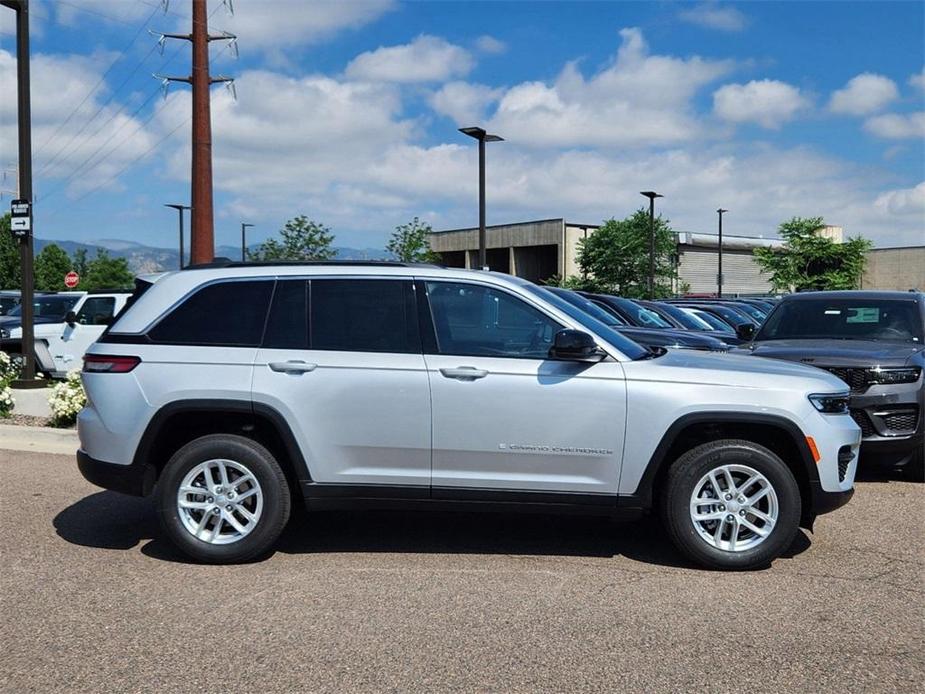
(864, 315)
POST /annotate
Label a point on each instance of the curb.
(38, 439)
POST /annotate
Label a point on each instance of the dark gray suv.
(873, 341)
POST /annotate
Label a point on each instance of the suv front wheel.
(731, 504)
(223, 499)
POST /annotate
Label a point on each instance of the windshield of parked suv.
(752, 311)
(631, 349)
(687, 320)
(49, 306)
(7, 304)
(709, 319)
(844, 319)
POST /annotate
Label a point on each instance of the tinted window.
(845, 319)
(287, 325)
(49, 306)
(363, 316)
(228, 314)
(479, 321)
(96, 310)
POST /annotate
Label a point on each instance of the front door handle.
(292, 367)
(464, 373)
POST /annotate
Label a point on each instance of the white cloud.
(280, 24)
(897, 126)
(918, 80)
(463, 102)
(489, 44)
(864, 94)
(905, 202)
(769, 103)
(80, 145)
(639, 99)
(713, 16)
(426, 59)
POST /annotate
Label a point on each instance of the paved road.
(94, 601)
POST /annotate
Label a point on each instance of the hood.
(716, 368)
(837, 352)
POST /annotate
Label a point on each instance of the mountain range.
(143, 259)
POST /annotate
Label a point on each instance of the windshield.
(7, 303)
(624, 344)
(751, 311)
(49, 306)
(844, 319)
(687, 320)
(709, 319)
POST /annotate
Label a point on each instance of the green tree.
(51, 265)
(409, 243)
(10, 264)
(810, 261)
(80, 262)
(106, 272)
(615, 258)
(301, 239)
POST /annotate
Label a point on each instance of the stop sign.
(71, 279)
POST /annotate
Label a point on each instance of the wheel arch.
(177, 423)
(779, 434)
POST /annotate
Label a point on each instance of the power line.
(96, 86)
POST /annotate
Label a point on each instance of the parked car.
(709, 318)
(648, 337)
(66, 324)
(683, 320)
(9, 299)
(227, 390)
(731, 316)
(875, 342)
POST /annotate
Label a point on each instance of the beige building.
(541, 249)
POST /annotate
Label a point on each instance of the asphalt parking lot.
(93, 600)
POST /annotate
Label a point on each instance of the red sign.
(71, 279)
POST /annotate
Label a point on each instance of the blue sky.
(347, 112)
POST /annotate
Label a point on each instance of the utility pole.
(244, 226)
(202, 230)
(179, 208)
(24, 117)
(651, 194)
(719, 272)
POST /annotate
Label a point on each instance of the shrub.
(67, 399)
(9, 372)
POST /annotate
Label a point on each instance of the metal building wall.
(698, 266)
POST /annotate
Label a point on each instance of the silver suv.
(229, 390)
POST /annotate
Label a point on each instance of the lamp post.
(483, 137)
(719, 272)
(244, 226)
(179, 208)
(651, 194)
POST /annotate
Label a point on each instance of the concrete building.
(895, 268)
(541, 249)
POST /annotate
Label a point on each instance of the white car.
(66, 325)
(227, 390)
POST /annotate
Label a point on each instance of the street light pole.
(651, 194)
(244, 226)
(180, 208)
(483, 137)
(719, 273)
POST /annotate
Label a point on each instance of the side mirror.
(575, 345)
(745, 331)
(70, 318)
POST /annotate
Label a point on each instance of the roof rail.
(220, 263)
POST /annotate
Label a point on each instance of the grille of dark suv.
(902, 421)
(862, 420)
(844, 460)
(857, 379)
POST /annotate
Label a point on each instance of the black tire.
(269, 475)
(683, 476)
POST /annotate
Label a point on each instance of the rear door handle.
(464, 373)
(292, 367)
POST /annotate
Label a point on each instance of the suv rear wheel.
(731, 504)
(223, 499)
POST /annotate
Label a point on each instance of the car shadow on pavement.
(114, 521)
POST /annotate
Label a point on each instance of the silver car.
(226, 391)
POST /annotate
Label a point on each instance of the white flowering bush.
(9, 372)
(66, 400)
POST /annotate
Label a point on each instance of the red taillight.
(107, 363)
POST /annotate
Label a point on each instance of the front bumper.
(892, 421)
(134, 479)
(825, 502)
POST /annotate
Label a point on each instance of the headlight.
(889, 376)
(830, 403)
